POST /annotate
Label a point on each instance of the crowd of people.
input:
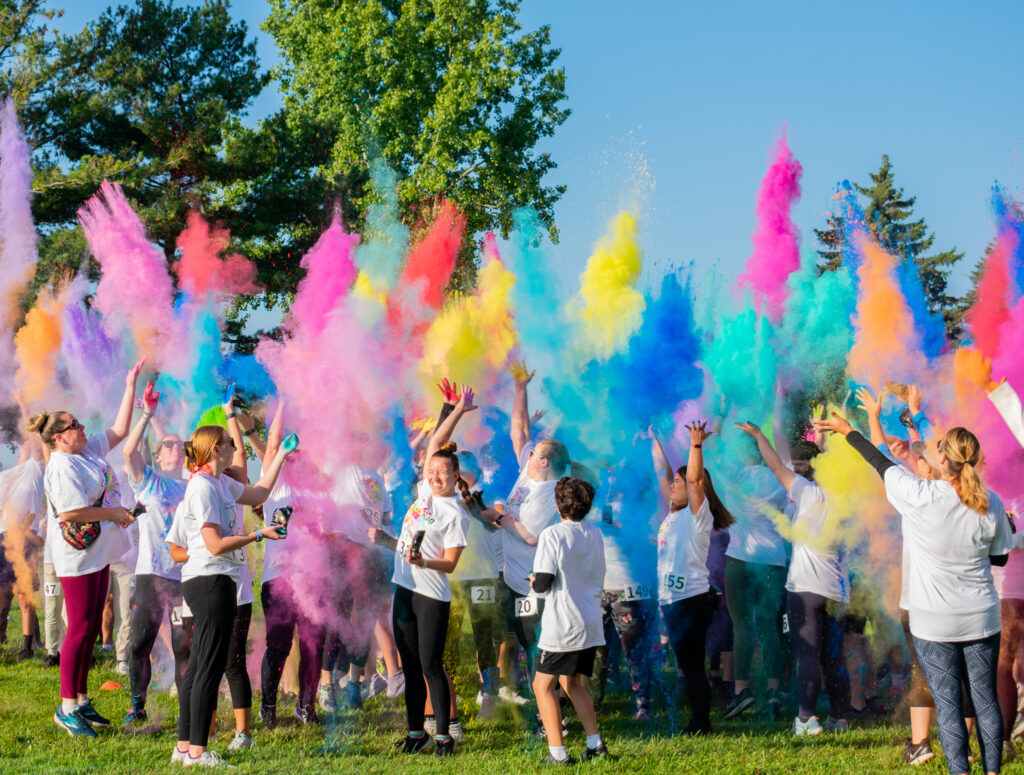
(552, 570)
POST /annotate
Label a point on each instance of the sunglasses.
(74, 426)
(170, 444)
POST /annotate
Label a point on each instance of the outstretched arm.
(768, 453)
(274, 433)
(520, 430)
(123, 423)
(258, 493)
(782, 445)
(695, 466)
(238, 469)
(662, 468)
(134, 465)
(873, 407)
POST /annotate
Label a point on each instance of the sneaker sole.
(740, 708)
(922, 758)
(62, 725)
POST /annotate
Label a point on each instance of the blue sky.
(676, 106)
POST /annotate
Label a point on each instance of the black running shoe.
(268, 715)
(89, 714)
(410, 744)
(917, 753)
(601, 752)
(740, 703)
(444, 746)
(51, 660)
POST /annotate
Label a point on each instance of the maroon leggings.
(84, 597)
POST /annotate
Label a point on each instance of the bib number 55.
(675, 582)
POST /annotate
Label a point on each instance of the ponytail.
(199, 448)
(963, 454)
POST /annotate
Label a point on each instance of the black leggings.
(526, 628)
(421, 626)
(212, 600)
(687, 622)
(236, 671)
(154, 598)
(283, 617)
(817, 639)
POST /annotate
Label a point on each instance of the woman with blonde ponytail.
(954, 531)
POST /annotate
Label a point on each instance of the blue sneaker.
(74, 723)
(89, 714)
(135, 716)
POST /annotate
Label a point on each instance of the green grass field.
(363, 742)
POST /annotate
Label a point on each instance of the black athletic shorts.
(567, 662)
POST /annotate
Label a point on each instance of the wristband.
(147, 415)
(695, 446)
(229, 416)
(258, 538)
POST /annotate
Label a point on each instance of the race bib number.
(675, 582)
(785, 623)
(176, 616)
(482, 595)
(526, 606)
(637, 592)
(51, 590)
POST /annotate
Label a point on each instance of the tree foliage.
(888, 215)
(451, 94)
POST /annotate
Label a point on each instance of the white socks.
(593, 741)
(558, 752)
(66, 706)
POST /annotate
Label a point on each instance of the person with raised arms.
(428, 549)
(210, 575)
(684, 586)
(817, 585)
(957, 530)
(85, 511)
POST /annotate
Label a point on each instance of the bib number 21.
(481, 595)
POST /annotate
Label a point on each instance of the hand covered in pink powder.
(150, 399)
(449, 391)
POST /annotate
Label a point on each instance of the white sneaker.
(488, 707)
(178, 756)
(240, 741)
(373, 687)
(810, 727)
(396, 684)
(508, 694)
(208, 759)
(122, 668)
(325, 696)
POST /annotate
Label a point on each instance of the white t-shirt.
(210, 499)
(817, 564)
(684, 539)
(533, 504)
(304, 546)
(479, 559)
(950, 597)
(573, 552)
(75, 482)
(21, 496)
(1009, 579)
(362, 502)
(753, 537)
(161, 495)
(444, 522)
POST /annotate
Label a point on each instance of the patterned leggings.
(945, 666)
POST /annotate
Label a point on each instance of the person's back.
(572, 609)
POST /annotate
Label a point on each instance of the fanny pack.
(78, 535)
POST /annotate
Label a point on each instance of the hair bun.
(449, 446)
(37, 422)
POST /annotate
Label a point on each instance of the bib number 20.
(526, 606)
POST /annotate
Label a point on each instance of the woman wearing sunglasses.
(211, 573)
(160, 488)
(84, 506)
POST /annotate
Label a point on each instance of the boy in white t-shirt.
(569, 568)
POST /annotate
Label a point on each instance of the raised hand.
(449, 391)
(914, 399)
(749, 428)
(977, 368)
(870, 404)
(245, 422)
(538, 416)
(425, 424)
(835, 424)
(698, 432)
(150, 399)
(466, 401)
(290, 443)
(229, 395)
(133, 373)
(519, 373)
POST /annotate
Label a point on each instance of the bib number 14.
(675, 582)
